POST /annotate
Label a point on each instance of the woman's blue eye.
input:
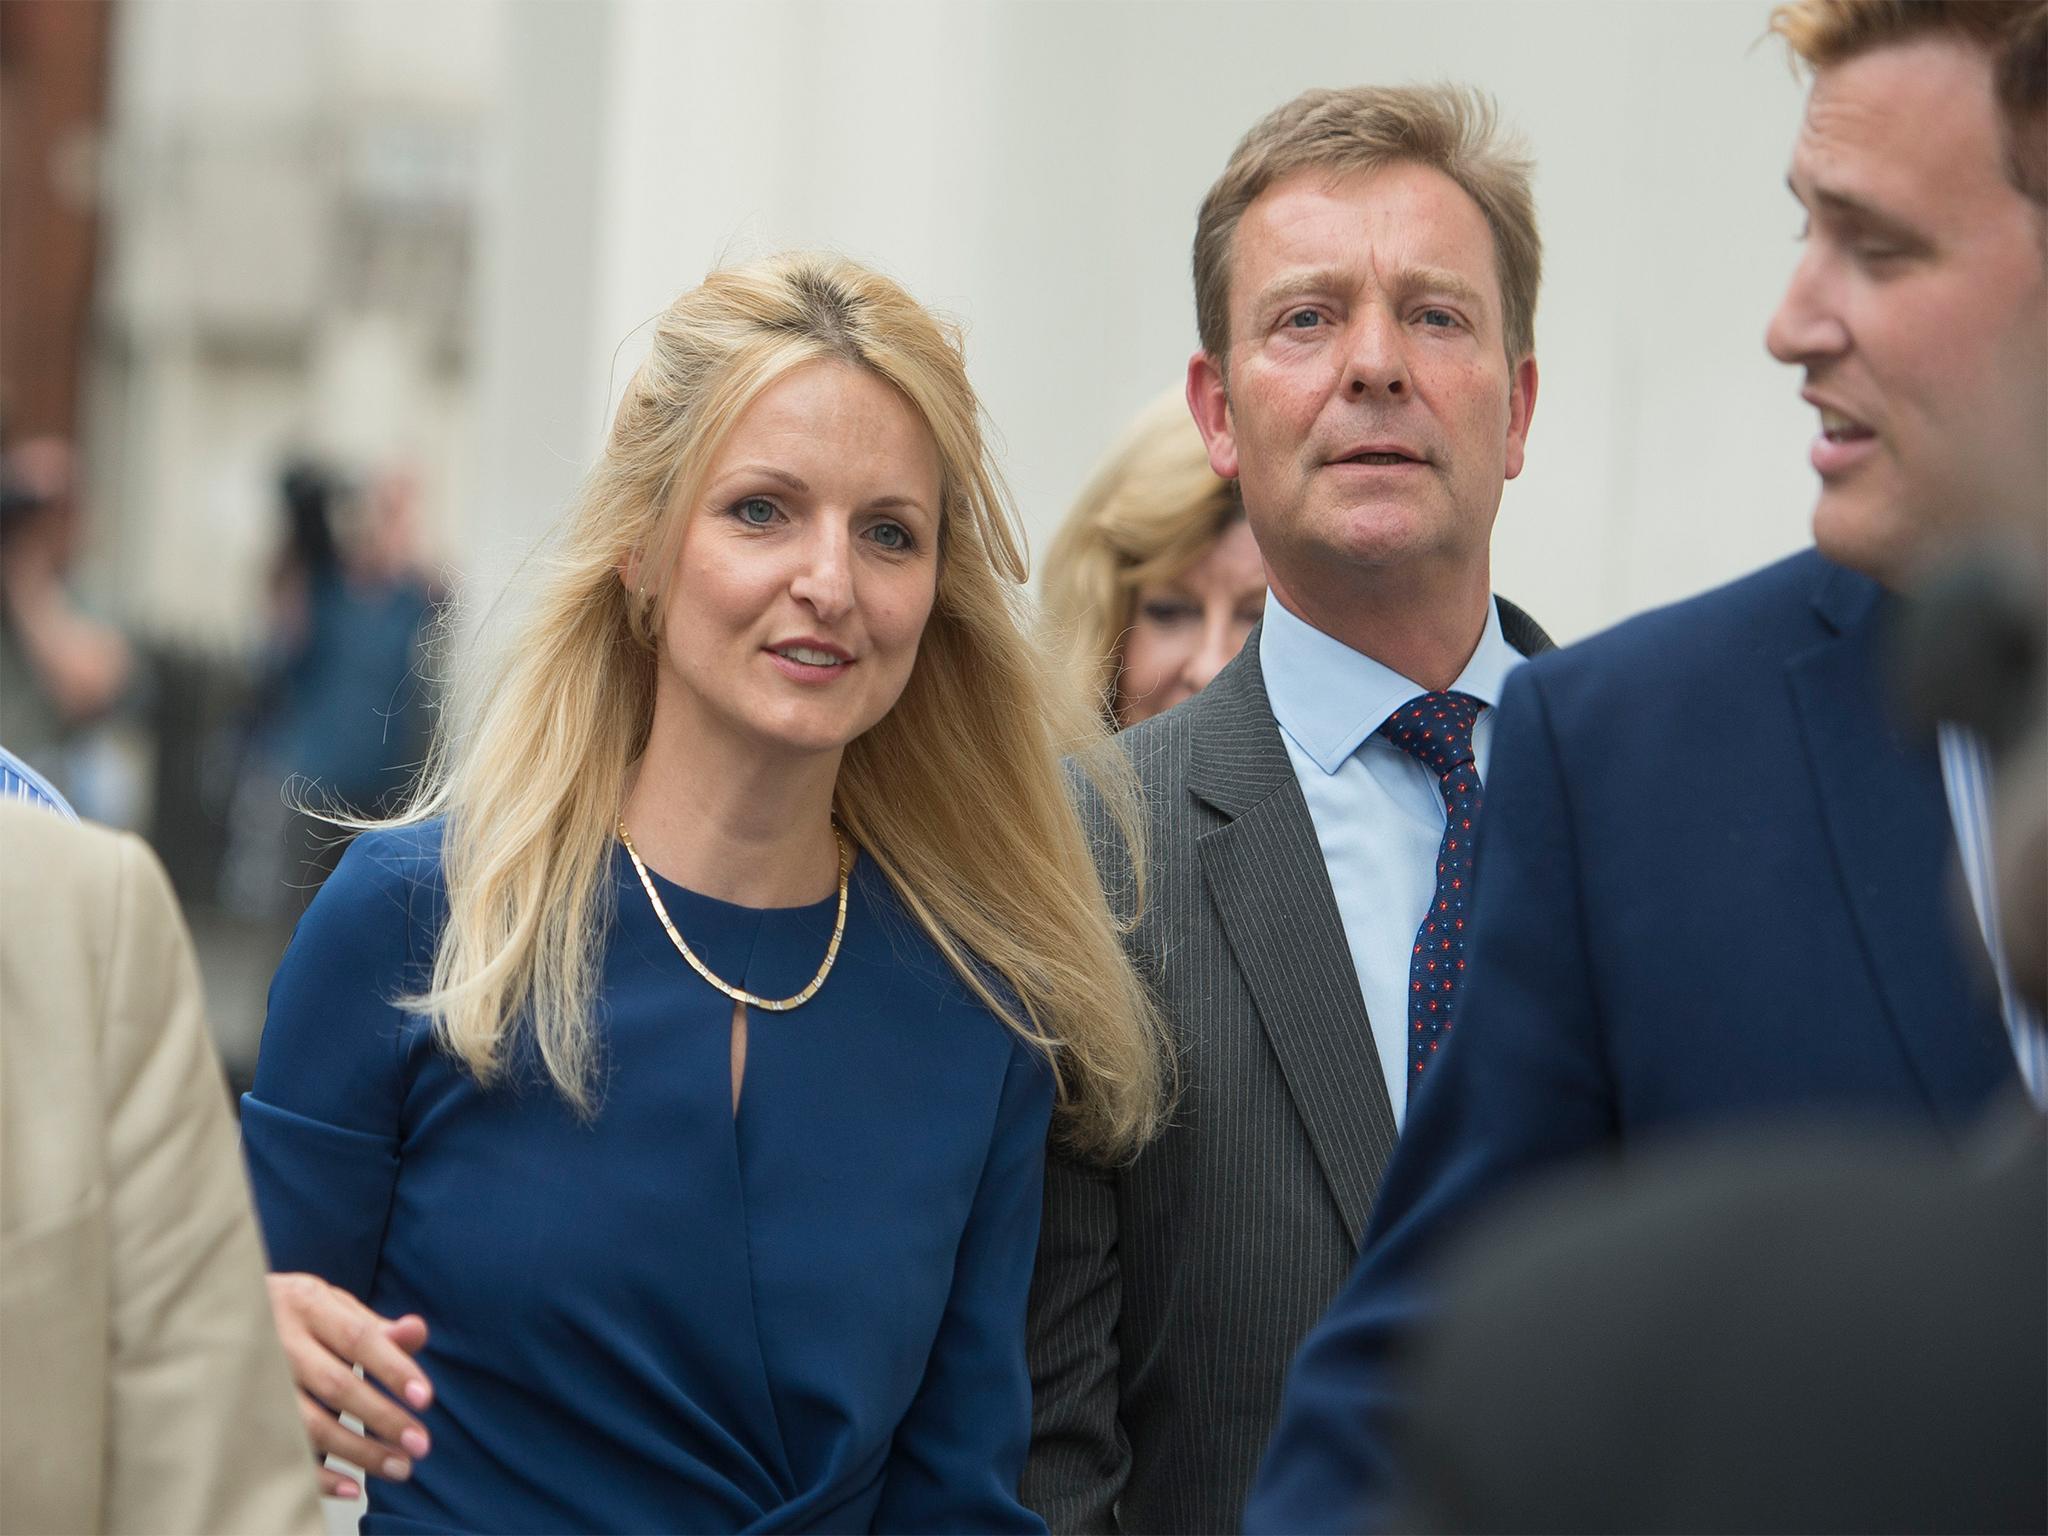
(891, 536)
(756, 511)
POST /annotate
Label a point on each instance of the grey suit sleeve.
(1079, 1457)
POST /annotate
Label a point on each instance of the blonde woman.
(687, 1055)
(1153, 581)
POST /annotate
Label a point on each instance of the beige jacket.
(142, 1387)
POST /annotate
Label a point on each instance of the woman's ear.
(629, 575)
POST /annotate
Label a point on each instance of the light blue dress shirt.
(21, 783)
(1966, 775)
(1378, 813)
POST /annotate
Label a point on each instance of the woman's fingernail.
(416, 1392)
(397, 1468)
(415, 1441)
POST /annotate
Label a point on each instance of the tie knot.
(1435, 729)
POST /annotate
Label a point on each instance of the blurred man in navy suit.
(1857, 1322)
(1713, 875)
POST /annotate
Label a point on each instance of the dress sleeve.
(958, 1454)
(321, 1126)
(1524, 1086)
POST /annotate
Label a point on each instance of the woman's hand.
(327, 1333)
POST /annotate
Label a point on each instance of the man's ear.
(1209, 404)
(1521, 407)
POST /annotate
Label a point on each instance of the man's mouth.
(1383, 456)
(1839, 428)
(1843, 444)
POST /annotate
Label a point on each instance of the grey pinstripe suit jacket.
(1170, 1294)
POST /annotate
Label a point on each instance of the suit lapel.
(1886, 817)
(1265, 874)
(1521, 631)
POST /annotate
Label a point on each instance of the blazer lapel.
(1265, 873)
(1521, 631)
(1886, 817)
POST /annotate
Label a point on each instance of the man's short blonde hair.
(2014, 33)
(1448, 128)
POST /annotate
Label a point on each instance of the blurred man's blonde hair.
(2014, 33)
(1152, 509)
(1448, 128)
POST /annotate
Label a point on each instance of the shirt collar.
(1329, 698)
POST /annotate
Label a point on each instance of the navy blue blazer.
(1714, 886)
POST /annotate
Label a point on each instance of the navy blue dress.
(806, 1316)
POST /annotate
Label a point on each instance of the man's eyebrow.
(1292, 285)
(1446, 282)
(1851, 209)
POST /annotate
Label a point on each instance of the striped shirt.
(22, 784)
(1966, 775)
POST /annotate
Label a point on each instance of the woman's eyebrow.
(768, 472)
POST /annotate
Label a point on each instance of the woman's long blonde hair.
(1151, 510)
(957, 794)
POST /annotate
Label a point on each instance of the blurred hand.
(327, 1333)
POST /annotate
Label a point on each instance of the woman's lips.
(799, 668)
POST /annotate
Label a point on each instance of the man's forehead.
(1334, 222)
(1913, 119)
(1377, 193)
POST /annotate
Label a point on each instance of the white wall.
(273, 175)
(1034, 169)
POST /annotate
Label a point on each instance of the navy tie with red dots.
(1436, 730)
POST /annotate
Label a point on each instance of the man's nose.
(1807, 326)
(1376, 360)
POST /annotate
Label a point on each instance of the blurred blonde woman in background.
(1153, 581)
(686, 1054)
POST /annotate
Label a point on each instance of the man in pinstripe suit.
(1366, 271)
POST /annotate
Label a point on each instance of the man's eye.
(892, 536)
(1303, 320)
(756, 511)
(1439, 319)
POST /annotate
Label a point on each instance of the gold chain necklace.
(735, 993)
